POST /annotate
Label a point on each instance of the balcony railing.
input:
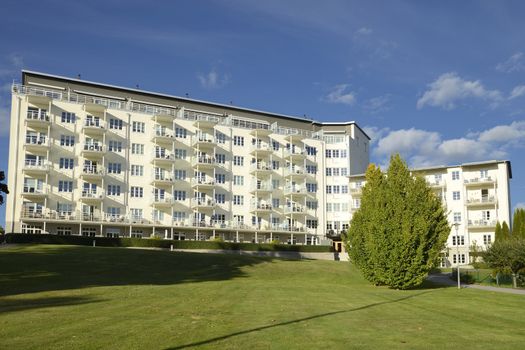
(481, 223)
(262, 186)
(294, 209)
(37, 141)
(482, 200)
(203, 202)
(162, 200)
(294, 153)
(90, 194)
(294, 172)
(163, 156)
(33, 164)
(32, 190)
(93, 147)
(260, 167)
(288, 190)
(480, 180)
(200, 181)
(261, 147)
(204, 161)
(40, 115)
(94, 123)
(260, 206)
(92, 170)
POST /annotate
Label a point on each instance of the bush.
(160, 243)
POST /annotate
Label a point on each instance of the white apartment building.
(476, 196)
(98, 160)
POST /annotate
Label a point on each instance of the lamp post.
(456, 225)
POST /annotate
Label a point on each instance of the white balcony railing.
(34, 164)
(37, 140)
(37, 115)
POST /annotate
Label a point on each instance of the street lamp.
(456, 225)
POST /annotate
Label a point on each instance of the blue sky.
(441, 82)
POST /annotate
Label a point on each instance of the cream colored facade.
(99, 160)
(476, 196)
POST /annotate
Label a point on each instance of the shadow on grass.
(14, 305)
(30, 269)
(286, 323)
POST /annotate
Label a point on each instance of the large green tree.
(505, 231)
(518, 223)
(396, 236)
(507, 255)
(3, 187)
(497, 232)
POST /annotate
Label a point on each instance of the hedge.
(160, 243)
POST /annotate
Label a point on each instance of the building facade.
(99, 160)
(476, 196)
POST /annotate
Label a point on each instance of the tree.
(3, 187)
(507, 256)
(398, 233)
(505, 231)
(497, 232)
(518, 223)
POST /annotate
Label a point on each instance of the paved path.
(444, 278)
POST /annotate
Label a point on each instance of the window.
(344, 171)
(220, 137)
(238, 180)
(220, 158)
(485, 215)
(137, 192)
(68, 117)
(67, 140)
(460, 257)
(181, 133)
(89, 231)
(328, 153)
(275, 145)
(238, 160)
(31, 229)
(138, 127)
(180, 174)
(276, 203)
(484, 174)
(458, 240)
(457, 217)
(113, 190)
(238, 200)
(115, 123)
(64, 208)
(220, 178)
(136, 214)
(344, 153)
(455, 195)
(238, 141)
(220, 198)
(113, 212)
(180, 153)
(455, 175)
(179, 216)
(336, 189)
(64, 231)
(275, 164)
(65, 186)
(136, 233)
(335, 153)
(487, 239)
(158, 215)
(115, 146)
(275, 184)
(329, 207)
(328, 171)
(312, 188)
(137, 148)
(335, 172)
(179, 195)
(328, 189)
(137, 170)
(114, 168)
(66, 163)
(311, 223)
(344, 189)
(311, 205)
(311, 169)
(311, 151)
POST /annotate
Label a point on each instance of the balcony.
(294, 209)
(203, 203)
(265, 187)
(162, 179)
(93, 149)
(261, 208)
(92, 172)
(295, 173)
(260, 169)
(261, 149)
(163, 157)
(292, 229)
(354, 208)
(37, 118)
(482, 224)
(436, 183)
(165, 116)
(162, 136)
(161, 201)
(483, 201)
(203, 182)
(204, 120)
(32, 213)
(356, 191)
(36, 143)
(204, 162)
(294, 155)
(295, 191)
(93, 126)
(203, 141)
(480, 182)
(34, 192)
(115, 218)
(92, 196)
(32, 166)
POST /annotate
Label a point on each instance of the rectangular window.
(276, 203)
(139, 127)
(180, 174)
(458, 240)
(312, 188)
(64, 208)
(220, 198)
(67, 140)
(238, 180)
(344, 171)
(66, 163)
(179, 216)
(275, 164)
(455, 175)
(180, 153)
(115, 123)
(220, 137)
(115, 146)
(68, 117)
(137, 192)
(64, 231)
(136, 214)
(181, 133)
(487, 239)
(238, 200)
(344, 153)
(311, 151)
(455, 195)
(335, 172)
(484, 174)
(65, 186)
(137, 170)
(457, 217)
(328, 171)
(275, 145)
(335, 153)
(114, 168)
(329, 189)
(220, 178)
(238, 141)
(113, 190)
(344, 189)
(328, 153)
(220, 158)
(311, 169)
(336, 189)
(137, 148)
(179, 195)
(238, 160)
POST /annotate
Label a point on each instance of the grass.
(70, 297)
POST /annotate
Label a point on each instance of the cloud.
(447, 90)
(213, 80)
(514, 63)
(519, 205)
(340, 95)
(375, 133)
(363, 31)
(377, 104)
(426, 148)
(517, 92)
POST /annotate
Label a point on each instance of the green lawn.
(69, 297)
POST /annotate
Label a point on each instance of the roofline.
(509, 167)
(208, 103)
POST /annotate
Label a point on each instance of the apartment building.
(100, 160)
(476, 196)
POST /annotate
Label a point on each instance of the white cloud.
(377, 104)
(426, 148)
(364, 31)
(340, 95)
(213, 80)
(517, 92)
(515, 63)
(447, 90)
(375, 133)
